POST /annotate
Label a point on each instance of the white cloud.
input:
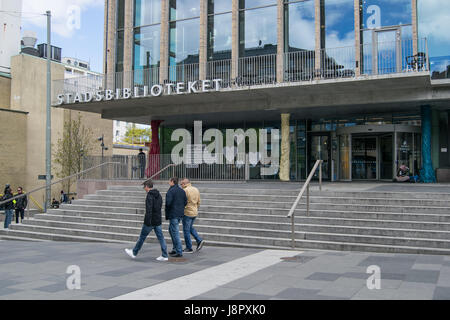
(61, 16)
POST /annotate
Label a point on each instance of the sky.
(77, 27)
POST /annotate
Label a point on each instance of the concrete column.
(128, 44)
(414, 26)
(234, 39)
(203, 50)
(164, 44)
(280, 42)
(110, 43)
(317, 33)
(285, 147)
(427, 173)
(435, 135)
(357, 10)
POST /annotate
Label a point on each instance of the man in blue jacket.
(176, 201)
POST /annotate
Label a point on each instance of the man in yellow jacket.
(190, 214)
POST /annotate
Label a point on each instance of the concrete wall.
(13, 148)
(5, 92)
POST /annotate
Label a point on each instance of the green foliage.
(138, 136)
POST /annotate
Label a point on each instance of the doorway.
(387, 51)
(319, 148)
(364, 158)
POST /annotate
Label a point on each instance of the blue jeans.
(174, 231)
(144, 234)
(8, 218)
(188, 230)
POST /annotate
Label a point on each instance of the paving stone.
(250, 296)
(112, 292)
(441, 293)
(426, 276)
(298, 294)
(324, 276)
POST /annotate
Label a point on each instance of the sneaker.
(161, 258)
(188, 251)
(172, 253)
(200, 245)
(130, 253)
(177, 256)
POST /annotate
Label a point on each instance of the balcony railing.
(376, 59)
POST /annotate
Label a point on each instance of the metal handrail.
(160, 171)
(56, 182)
(300, 195)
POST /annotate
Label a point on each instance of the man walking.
(21, 204)
(176, 200)
(190, 214)
(152, 221)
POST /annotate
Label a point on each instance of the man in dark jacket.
(21, 205)
(176, 200)
(8, 207)
(152, 221)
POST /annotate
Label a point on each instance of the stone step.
(124, 233)
(283, 199)
(125, 219)
(250, 242)
(56, 221)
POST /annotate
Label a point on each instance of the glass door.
(387, 51)
(320, 149)
(386, 156)
(364, 158)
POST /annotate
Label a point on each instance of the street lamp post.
(102, 139)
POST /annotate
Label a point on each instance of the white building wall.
(9, 32)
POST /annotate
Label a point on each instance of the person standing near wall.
(9, 206)
(141, 160)
(21, 205)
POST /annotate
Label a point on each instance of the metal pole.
(307, 201)
(48, 137)
(293, 231)
(320, 175)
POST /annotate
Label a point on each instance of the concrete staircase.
(244, 216)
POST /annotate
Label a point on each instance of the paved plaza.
(37, 270)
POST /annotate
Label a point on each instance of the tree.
(77, 141)
(136, 135)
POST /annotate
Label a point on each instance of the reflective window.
(184, 9)
(257, 31)
(219, 37)
(146, 47)
(120, 14)
(119, 51)
(246, 4)
(299, 20)
(147, 12)
(339, 23)
(385, 13)
(184, 42)
(434, 25)
(218, 6)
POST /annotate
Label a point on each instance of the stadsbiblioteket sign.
(156, 90)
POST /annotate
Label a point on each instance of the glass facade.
(338, 23)
(299, 30)
(184, 9)
(120, 34)
(434, 23)
(219, 36)
(147, 12)
(247, 4)
(257, 34)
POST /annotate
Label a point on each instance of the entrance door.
(387, 51)
(386, 156)
(320, 149)
(364, 158)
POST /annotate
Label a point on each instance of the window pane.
(147, 12)
(258, 32)
(119, 52)
(184, 9)
(339, 23)
(146, 47)
(219, 37)
(120, 14)
(184, 42)
(299, 23)
(385, 13)
(219, 6)
(245, 4)
(434, 23)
